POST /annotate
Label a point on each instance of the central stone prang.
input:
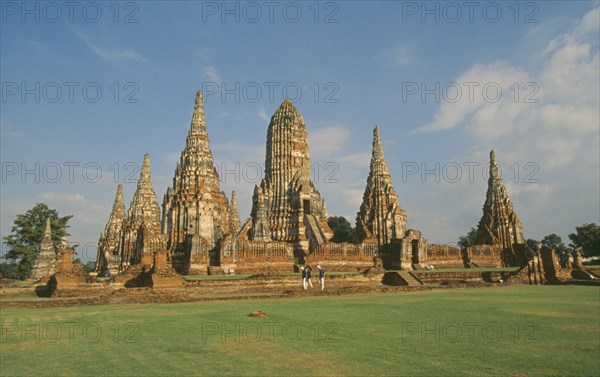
(286, 205)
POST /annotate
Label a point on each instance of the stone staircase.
(314, 232)
(411, 278)
(402, 278)
(595, 273)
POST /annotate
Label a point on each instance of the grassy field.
(504, 331)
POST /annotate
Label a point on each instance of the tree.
(587, 238)
(531, 243)
(86, 267)
(468, 240)
(8, 271)
(554, 241)
(27, 232)
(342, 230)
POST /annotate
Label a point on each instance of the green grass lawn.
(504, 331)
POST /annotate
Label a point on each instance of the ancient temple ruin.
(45, 262)
(233, 215)
(380, 216)
(109, 256)
(200, 232)
(381, 238)
(286, 206)
(196, 213)
(500, 240)
(499, 223)
(142, 227)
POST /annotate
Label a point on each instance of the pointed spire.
(119, 204)
(380, 216)
(234, 215)
(198, 119)
(197, 150)
(63, 242)
(47, 231)
(45, 261)
(233, 200)
(195, 189)
(108, 257)
(377, 157)
(499, 223)
(145, 177)
(144, 204)
(494, 169)
(47, 243)
(495, 183)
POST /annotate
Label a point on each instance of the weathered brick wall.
(553, 271)
(485, 255)
(242, 255)
(444, 256)
(344, 252)
(343, 256)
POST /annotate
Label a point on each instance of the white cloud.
(87, 212)
(110, 55)
(325, 141)
(212, 74)
(359, 160)
(235, 150)
(262, 114)
(544, 146)
(54, 197)
(399, 56)
(353, 198)
(7, 132)
(474, 93)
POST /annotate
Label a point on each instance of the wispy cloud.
(7, 132)
(15, 134)
(87, 211)
(570, 68)
(110, 55)
(543, 145)
(212, 74)
(327, 140)
(476, 102)
(398, 56)
(262, 114)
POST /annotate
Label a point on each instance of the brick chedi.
(68, 275)
(499, 224)
(141, 229)
(196, 213)
(109, 244)
(234, 215)
(380, 217)
(45, 263)
(286, 206)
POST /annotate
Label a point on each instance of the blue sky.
(357, 64)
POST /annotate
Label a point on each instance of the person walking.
(321, 277)
(308, 277)
(303, 277)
